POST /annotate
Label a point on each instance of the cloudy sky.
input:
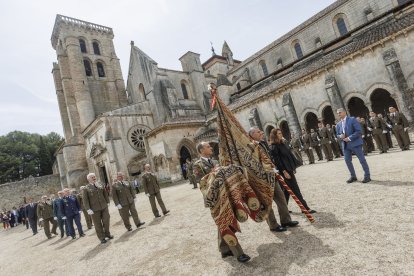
(164, 29)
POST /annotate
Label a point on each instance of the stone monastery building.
(355, 54)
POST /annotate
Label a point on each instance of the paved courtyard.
(360, 229)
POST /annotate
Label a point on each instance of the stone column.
(404, 98)
(291, 115)
(334, 94)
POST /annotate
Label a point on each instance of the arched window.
(184, 89)
(96, 49)
(142, 92)
(298, 49)
(82, 45)
(341, 25)
(264, 68)
(101, 70)
(88, 68)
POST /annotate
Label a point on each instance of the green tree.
(45, 160)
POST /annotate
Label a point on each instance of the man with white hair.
(96, 201)
(123, 194)
(45, 215)
(152, 190)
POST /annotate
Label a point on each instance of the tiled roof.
(369, 36)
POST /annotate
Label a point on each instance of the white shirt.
(343, 124)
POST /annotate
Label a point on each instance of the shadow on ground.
(327, 220)
(391, 183)
(127, 235)
(94, 251)
(298, 248)
(156, 221)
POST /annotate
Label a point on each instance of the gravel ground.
(360, 229)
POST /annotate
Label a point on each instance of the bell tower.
(88, 81)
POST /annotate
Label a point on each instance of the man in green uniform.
(152, 190)
(400, 128)
(45, 215)
(123, 195)
(378, 128)
(325, 141)
(202, 167)
(334, 141)
(296, 147)
(307, 146)
(96, 201)
(316, 144)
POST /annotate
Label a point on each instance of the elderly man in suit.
(202, 167)
(123, 194)
(348, 130)
(31, 215)
(400, 128)
(96, 201)
(152, 190)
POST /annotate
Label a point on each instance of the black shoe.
(366, 180)
(62, 235)
(311, 211)
(110, 237)
(103, 241)
(292, 223)
(226, 254)
(166, 212)
(279, 229)
(82, 235)
(49, 237)
(290, 212)
(352, 179)
(140, 224)
(381, 152)
(129, 229)
(243, 258)
(158, 216)
(194, 188)
(73, 237)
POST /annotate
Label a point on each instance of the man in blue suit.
(71, 212)
(348, 130)
(58, 215)
(31, 215)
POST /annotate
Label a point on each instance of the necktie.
(209, 161)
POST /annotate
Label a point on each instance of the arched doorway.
(311, 121)
(381, 100)
(184, 154)
(357, 108)
(284, 127)
(268, 130)
(328, 115)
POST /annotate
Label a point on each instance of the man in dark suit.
(400, 128)
(348, 130)
(31, 215)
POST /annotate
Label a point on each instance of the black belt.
(397, 124)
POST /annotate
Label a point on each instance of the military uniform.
(202, 167)
(152, 187)
(378, 128)
(96, 198)
(334, 142)
(315, 143)
(72, 210)
(296, 148)
(399, 123)
(364, 135)
(45, 212)
(307, 146)
(123, 194)
(190, 174)
(58, 214)
(88, 218)
(325, 143)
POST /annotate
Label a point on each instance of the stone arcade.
(355, 54)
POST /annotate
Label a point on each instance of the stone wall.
(12, 194)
